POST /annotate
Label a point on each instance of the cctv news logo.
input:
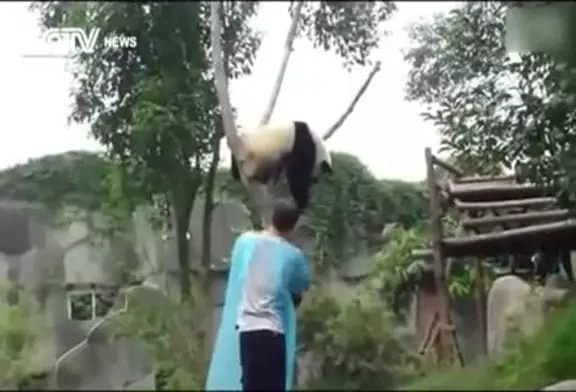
(67, 42)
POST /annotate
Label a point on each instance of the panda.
(269, 149)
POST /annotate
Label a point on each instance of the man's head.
(284, 216)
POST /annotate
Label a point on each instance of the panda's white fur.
(322, 155)
(269, 141)
(290, 146)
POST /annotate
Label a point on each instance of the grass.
(529, 363)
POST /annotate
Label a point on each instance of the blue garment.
(289, 268)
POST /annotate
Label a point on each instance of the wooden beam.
(533, 202)
(479, 179)
(426, 254)
(507, 271)
(446, 166)
(526, 219)
(524, 240)
(495, 191)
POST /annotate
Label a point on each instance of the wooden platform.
(525, 240)
(495, 191)
(498, 216)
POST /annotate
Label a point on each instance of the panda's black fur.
(298, 164)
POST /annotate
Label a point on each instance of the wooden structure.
(498, 216)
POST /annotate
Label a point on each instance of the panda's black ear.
(234, 169)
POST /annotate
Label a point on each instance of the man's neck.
(273, 232)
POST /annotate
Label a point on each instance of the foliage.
(74, 185)
(349, 29)
(18, 333)
(488, 107)
(397, 272)
(351, 207)
(402, 202)
(77, 179)
(355, 342)
(529, 363)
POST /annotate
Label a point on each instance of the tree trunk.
(183, 204)
(206, 254)
(209, 200)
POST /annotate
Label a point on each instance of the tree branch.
(232, 138)
(258, 193)
(283, 65)
(332, 130)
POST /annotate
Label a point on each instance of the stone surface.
(228, 219)
(514, 304)
(566, 385)
(103, 361)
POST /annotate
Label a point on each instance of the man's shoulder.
(247, 236)
(257, 236)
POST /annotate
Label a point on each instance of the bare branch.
(258, 193)
(283, 65)
(232, 138)
(332, 130)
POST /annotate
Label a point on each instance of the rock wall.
(50, 258)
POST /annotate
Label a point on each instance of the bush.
(397, 272)
(355, 343)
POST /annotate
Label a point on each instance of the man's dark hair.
(285, 215)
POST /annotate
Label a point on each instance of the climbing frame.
(498, 216)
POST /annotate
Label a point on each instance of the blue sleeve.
(300, 274)
(236, 248)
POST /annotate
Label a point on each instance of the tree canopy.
(490, 108)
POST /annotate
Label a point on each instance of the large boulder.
(515, 306)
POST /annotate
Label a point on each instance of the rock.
(566, 385)
(514, 306)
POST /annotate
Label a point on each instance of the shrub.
(355, 343)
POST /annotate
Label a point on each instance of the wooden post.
(479, 291)
(480, 295)
(444, 316)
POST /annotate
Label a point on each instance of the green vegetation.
(18, 336)
(493, 111)
(527, 363)
(356, 344)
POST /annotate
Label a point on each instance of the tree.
(154, 107)
(349, 29)
(488, 107)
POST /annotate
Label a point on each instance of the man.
(255, 346)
